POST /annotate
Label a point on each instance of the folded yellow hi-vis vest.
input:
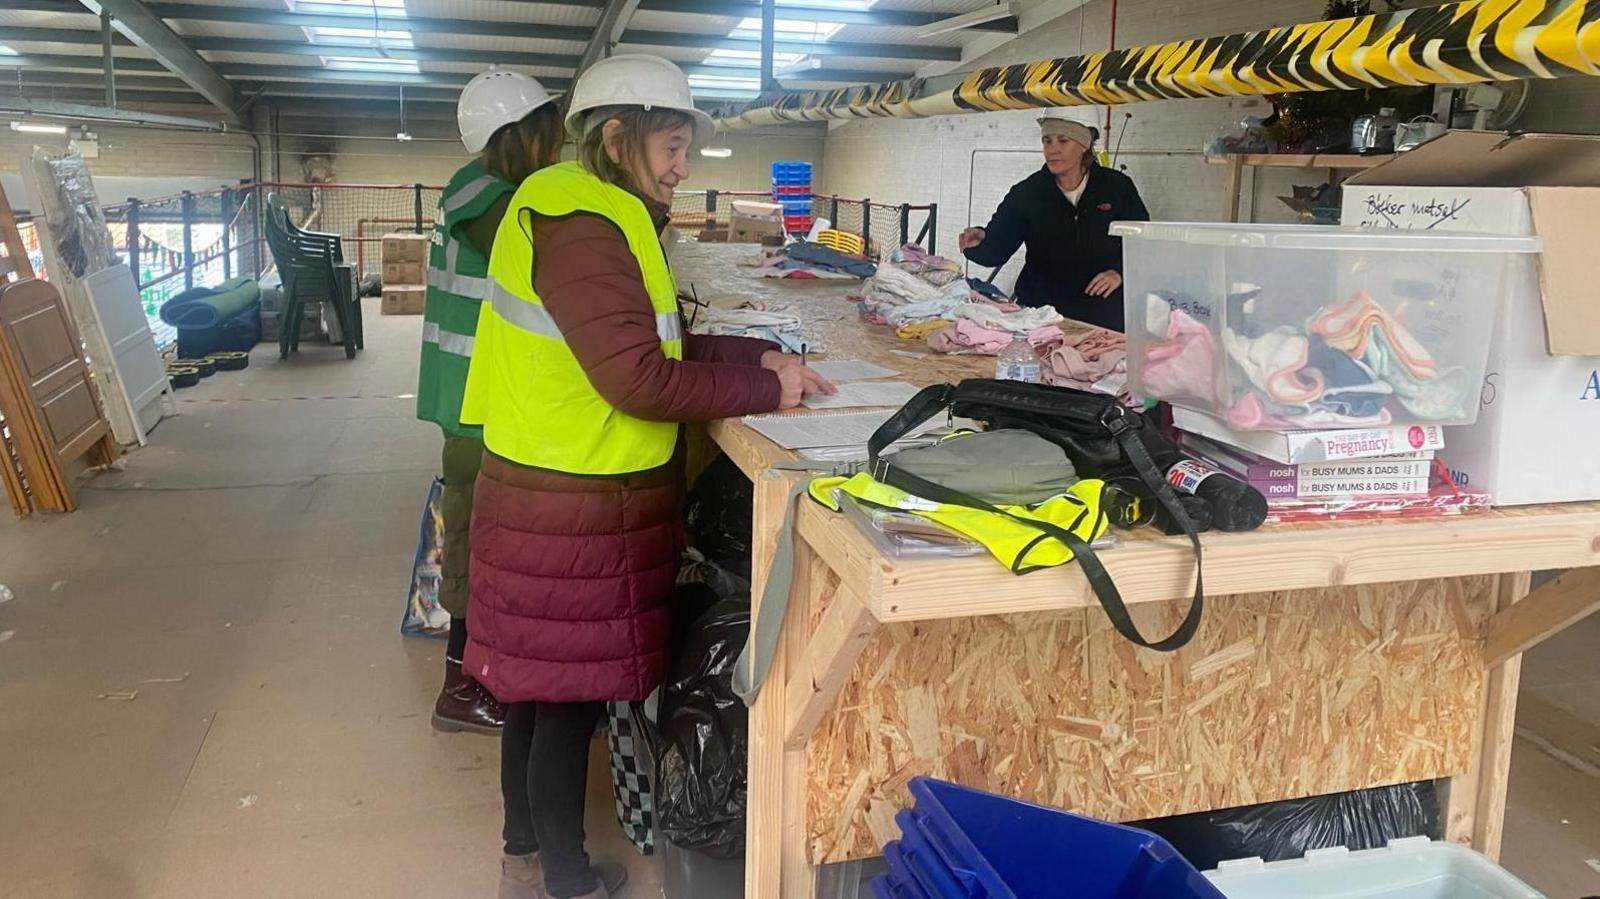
(1018, 546)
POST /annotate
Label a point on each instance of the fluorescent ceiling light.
(969, 20)
(359, 37)
(7, 51)
(799, 67)
(384, 7)
(38, 128)
(716, 152)
(725, 82)
(788, 30)
(402, 135)
(750, 59)
(363, 64)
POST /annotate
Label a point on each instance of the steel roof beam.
(613, 22)
(575, 34)
(136, 22)
(426, 54)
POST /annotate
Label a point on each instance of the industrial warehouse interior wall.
(148, 162)
(966, 163)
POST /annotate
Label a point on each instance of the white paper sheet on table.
(863, 393)
(851, 370)
(845, 427)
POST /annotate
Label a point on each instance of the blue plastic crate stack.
(791, 187)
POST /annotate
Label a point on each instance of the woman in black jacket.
(1063, 213)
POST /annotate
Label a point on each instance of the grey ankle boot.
(521, 877)
(612, 880)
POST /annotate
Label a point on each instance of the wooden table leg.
(772, 795)
(1475, 802)
(1232, 187)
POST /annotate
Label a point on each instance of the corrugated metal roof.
(239, 30)
(501, 11)
(22, 18)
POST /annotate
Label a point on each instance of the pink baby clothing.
(1183, 365)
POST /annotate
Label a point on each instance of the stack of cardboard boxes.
(405, 273)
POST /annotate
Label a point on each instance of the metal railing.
(876, 223)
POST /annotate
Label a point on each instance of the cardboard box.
(745, 230)
(402, 274)
(1539, 422)
(404, 300)
(400, 247)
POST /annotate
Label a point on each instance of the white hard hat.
(635, 79)
(493, 100)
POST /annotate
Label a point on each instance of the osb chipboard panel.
(1280, 695)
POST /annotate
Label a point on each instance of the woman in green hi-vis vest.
(514, 127)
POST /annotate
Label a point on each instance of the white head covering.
(1072, 129)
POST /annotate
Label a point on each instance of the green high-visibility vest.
(457, 284)
(525, 387)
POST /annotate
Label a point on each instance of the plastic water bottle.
(1018, 362)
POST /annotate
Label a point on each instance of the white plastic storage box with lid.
(1409, 868)
(1298, 327)
(1536, 435)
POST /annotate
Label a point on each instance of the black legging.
(456, 648)
(544, 775)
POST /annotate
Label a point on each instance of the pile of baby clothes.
(774, 324)
(1347, 367)
(985, 328)
(804, 259)
(912, 286)
(1095, 360)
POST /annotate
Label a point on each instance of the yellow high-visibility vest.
(1017, 545)
(525, 387)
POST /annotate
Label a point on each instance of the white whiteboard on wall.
(135, 378)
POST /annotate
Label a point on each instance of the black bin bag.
(719, 515)
(704, 731)
(1360, 819)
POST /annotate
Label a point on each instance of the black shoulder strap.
(1120, 424)
(925, 405)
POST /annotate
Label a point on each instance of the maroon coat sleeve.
(725, 348)
(592, 287)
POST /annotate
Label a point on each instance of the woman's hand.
(971, 238)
(798, 382)
(776, 360)
(1104, 284)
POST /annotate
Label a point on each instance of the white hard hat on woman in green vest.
(494, 99)
(512, 125)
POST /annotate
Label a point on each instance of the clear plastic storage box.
(1303, 327)
(1410, 868)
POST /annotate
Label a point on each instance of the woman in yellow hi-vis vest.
(581, 376)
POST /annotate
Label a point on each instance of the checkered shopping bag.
(630, 777)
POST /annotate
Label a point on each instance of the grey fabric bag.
(1007, 467)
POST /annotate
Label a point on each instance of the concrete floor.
(259, 550)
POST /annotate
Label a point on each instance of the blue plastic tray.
(994, 847)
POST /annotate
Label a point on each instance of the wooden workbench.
(1332, 657)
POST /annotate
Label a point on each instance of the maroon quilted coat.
(571, 576)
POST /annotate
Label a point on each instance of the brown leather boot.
(464, 705)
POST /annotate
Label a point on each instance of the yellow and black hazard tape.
(1459, 43)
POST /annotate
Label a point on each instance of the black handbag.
(1103, 438)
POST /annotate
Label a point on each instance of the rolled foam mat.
(199, 308)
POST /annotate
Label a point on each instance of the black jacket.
(1067, 246)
